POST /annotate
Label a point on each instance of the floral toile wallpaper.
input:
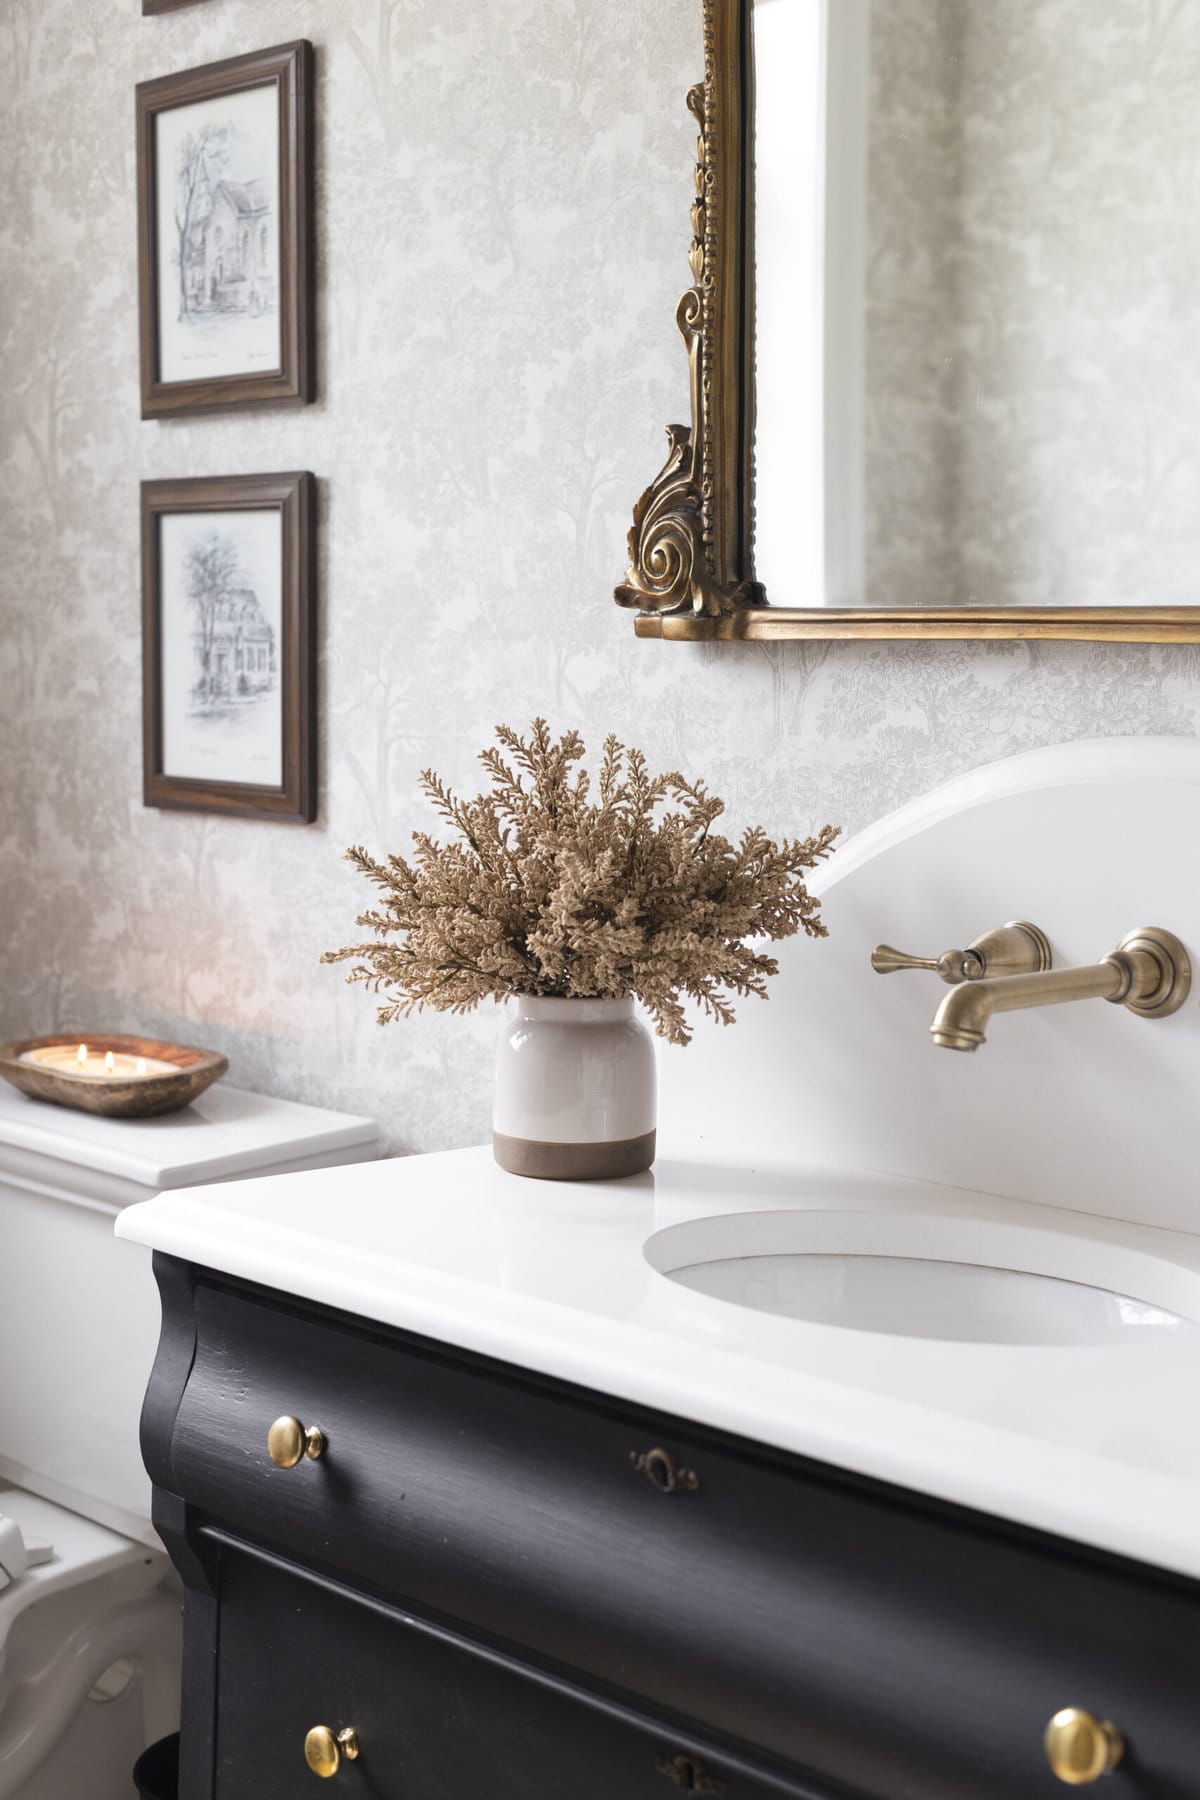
(502, 205)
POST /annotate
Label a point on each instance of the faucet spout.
(1149, 973)
(964, 1026)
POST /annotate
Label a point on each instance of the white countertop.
(1093, 1443)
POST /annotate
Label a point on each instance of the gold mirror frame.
(691, 547)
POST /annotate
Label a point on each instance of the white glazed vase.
(575, 1090)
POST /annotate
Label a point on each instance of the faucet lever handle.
(886, 961)
(1013, 949)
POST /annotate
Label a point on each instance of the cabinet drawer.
(435, 1719)
(912, 1653)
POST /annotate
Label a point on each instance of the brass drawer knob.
(1079, 1748)
(324, 1750)
(288, 1440)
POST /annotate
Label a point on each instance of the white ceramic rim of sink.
(933, 1238)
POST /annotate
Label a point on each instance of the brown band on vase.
(574, 1162)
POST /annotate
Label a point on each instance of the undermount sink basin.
(969, 1281)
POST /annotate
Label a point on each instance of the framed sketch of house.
(225, 280)
(229, 682)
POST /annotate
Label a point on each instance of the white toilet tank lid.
(226, 1132)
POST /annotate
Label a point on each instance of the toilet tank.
(78, 1310)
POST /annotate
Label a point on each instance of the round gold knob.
(288, 1440)
(323, 1751)
(1079, 1748)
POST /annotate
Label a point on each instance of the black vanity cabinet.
(499, 1584)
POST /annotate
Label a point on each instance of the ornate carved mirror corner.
(691, 544)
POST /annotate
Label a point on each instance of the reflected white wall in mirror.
(789, 73)
(977, 262)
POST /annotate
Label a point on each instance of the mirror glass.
(977, 267)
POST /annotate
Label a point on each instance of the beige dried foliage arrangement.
(559, 888)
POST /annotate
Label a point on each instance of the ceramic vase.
(575, 1090)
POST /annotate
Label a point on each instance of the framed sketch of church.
(224, 234)
(228, 689)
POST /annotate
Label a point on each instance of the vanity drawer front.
(435, 1718)
(913, 1654)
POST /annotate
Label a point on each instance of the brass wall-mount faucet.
(1149, 973)
(1013, 949)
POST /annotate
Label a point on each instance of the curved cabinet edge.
(172, 1366)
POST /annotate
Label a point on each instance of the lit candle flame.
(81, 1054)
(141, 1065)
(109, 1065)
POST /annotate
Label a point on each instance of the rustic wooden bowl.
(145, 1098)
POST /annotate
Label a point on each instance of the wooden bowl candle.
(117, 1077)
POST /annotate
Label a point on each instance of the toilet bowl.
(89, 1653)
(90, 1634)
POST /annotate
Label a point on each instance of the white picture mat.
(229, 736)
(244, 130)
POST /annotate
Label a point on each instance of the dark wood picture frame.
(293, 495)
(289, 69)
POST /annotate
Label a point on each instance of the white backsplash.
(1080, 1106)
